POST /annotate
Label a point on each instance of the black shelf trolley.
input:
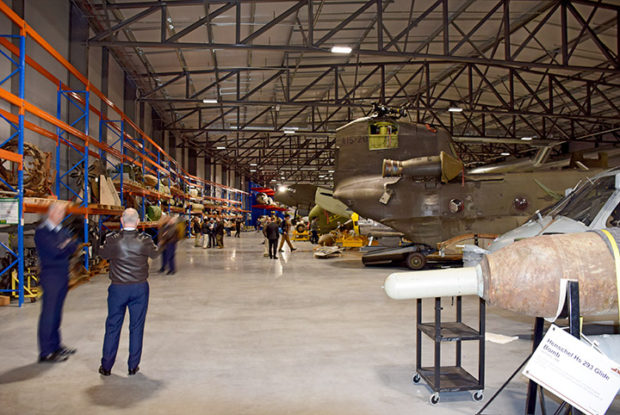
(450, 378)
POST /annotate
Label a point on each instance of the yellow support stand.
(31, 285)
(303, 236)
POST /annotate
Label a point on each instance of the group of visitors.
(272, 228)
(209, 232)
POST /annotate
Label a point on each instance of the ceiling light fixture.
(252, 170)
(220, 148)
(209, 101)
(253, 164)
(526, 138)
(343, 50)
(455, 109)
(505, 153)
(289, 131)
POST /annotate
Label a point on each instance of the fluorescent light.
(505, 154)
(220, 148)
(253, 164)
(331, 171)
(289, 131)
(345, 50)
(455, 109)
(252, 170)
(273, 180)
(209, 101)
(282, 188)
(526, 138)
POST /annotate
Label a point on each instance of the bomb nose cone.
(433, 283)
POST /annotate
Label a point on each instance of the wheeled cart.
(450, 378)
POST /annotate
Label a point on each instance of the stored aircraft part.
(153, 213)
(526, 277)
(443, 166)
(37, 171)
(327, 252)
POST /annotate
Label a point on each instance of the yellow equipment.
(301, 236)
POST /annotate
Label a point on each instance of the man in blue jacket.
(128, 252)
(55, 246)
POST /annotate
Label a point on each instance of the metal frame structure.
(139, 149)
(545, 69)
(20, 70)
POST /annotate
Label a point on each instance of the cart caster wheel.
(434, 399)
(416, 378)
(477, 396)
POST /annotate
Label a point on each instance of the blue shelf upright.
(117, 131)
(17, 190)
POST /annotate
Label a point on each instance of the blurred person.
(196, 229)
(168, 236)
(238, 222)
(314, 230)
(212, 228)
(219, 232)
(205, 232)
(128, 252)
(55, 246)
(286, 229)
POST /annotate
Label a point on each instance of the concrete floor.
(235, 333)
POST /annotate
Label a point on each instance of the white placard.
(574, 371)
(9, 211)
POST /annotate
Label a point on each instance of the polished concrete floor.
(236, 333)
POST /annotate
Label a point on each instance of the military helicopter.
(408, 176)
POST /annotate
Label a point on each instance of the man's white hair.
(130, 217)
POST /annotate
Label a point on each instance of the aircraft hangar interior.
(310, 207)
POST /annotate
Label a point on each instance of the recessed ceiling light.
(505, 153)
(209, 101)
(345, 50)
(220, 148)
(455, 109)
(526, 138)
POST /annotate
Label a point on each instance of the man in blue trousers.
(128, 252)
(55, 246)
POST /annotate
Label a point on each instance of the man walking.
(238, 222)
(212, 228)
(168, 236)
(272, 233)
(219, 233)
(54, 246)
(286, 228)
(128, 252)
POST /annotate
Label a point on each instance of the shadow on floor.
(345, 263)
(22, 373)
(123, 392)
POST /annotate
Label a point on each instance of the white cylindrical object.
(434, 283)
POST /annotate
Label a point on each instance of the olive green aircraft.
(408, 176)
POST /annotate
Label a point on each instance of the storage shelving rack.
(136, 148)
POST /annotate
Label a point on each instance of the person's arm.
(105, 251)
(149, 248)
(53, 245)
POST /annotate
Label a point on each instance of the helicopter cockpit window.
(382, 135)
(587, 202)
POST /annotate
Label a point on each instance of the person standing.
(55, 245)
(238, 222)
(314, 230)
(286, 229)
(128, 252)
(168, 236)
(205, 233)
(219, 233)
(212, 229)
(196, 229)
(272, 233)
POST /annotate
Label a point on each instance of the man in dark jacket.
(205, 232)
(212, 228)
(55, 246)
(238, 222)
(286, 229)
(128, 252)
(272, 233)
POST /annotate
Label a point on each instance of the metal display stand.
(450, 378)
(571, 311)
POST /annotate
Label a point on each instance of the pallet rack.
(130, 146)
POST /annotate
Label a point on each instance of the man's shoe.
(294, 249)
(170, 272)
(275, 257)
(64, 350)
(161, 270)
(104, 372)
(280, 250)
(133, 371)
(53, 358)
